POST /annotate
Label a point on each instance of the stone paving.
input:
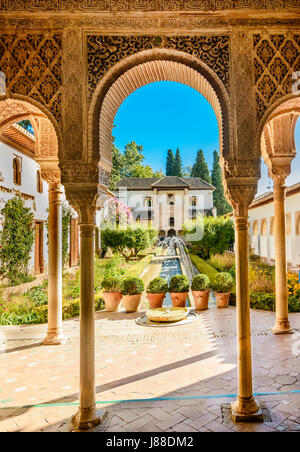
(192, 366)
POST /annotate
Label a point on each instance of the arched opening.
(171, 233)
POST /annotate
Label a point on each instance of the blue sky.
(167, 115)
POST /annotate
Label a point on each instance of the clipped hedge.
(137, 269)
(203, 266)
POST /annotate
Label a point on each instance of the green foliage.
(260, 300)
(16, 239)
(117, 167)
(203, 267)
(222, 262)
(128, 242)
(222, 283)
(216, 179)
(170, 163)
(26, 124)
(38, 295)
(218, 235)
(112, 284)
(200, 282)
(132, 286)
(177, 169)
(136, 269)
(66, 218)
(157, 285)
(179, 284)
(200, 168)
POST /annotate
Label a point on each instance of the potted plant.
(112, 292)
(179, 290)
(200, 291)
(156, 292)
(132, 293)
(222, 285)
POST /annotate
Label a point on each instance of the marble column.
(87, 415)
(282, 324)
(245, 407)
(55, 334)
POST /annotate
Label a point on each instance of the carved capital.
(83, 199)
(280, 166)
(242, 169)
(51, 176)
(241, 196)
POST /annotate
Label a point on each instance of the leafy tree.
(218, 235)
(177, 164)
(200, 168)
(216, 179)
(128, 242)
(117, 168)
(170, 163)
(16, 239)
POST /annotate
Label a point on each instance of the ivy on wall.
(16, 240)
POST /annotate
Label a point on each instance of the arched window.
(297, 222)
(272, 226)
(255, 227)
(263, 227)
(17, 171)
(39, 182)
(171, 221)
(288, 224)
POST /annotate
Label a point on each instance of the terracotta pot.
(112, 300)
(156, 300)
(222, 299)
(132, 302)
(179, 299)
(201, 298)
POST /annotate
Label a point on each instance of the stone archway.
(277, 138)
(13, 110)
(146, 67)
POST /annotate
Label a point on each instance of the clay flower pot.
(132, 302)
(156, 300)
(201, 298)
(112, 300)
(222, 299)
(179, 299)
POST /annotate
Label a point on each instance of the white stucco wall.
(265, 245)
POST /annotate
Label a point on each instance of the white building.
(166, 202)
(19, 173)
(261, 217)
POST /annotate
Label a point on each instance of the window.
(171, 221)
(39, 182)
(17, 170)
(263, 227)
(148, 202)
(171, 199)
(272, 226)
(297, 222)
(255, 227)
(288, 224)
(194, 201)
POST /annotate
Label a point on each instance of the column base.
(246, 410)
(54, 338)
(282, 327)
(86, 419)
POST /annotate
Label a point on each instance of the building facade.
(166, 202)
(261, 224)
(21, 174)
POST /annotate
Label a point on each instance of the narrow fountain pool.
(170, 267)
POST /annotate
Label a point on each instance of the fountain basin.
(167, 314)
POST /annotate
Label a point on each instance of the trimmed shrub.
(200, 282)
(157, 285)
(132, 286)
(222, 283)
(203, 267)
(179, 284)
(112, 284)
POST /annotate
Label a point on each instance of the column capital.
(241, 197)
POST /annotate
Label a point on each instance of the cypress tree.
(216, 179)
(177, 165)
(200, 168)
(170, 163)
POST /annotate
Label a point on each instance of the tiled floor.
(192, 367)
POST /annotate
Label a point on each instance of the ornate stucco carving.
(240, 197)
(105, 51)
(276, 57)
(32, 65)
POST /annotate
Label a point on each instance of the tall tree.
(170, 163)
(220, 202)
(200, 168)
(117, 167)
(177, 165)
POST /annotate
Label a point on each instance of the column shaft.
(245, 408)
(54, 333)
(282, 324)
(87, 416)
